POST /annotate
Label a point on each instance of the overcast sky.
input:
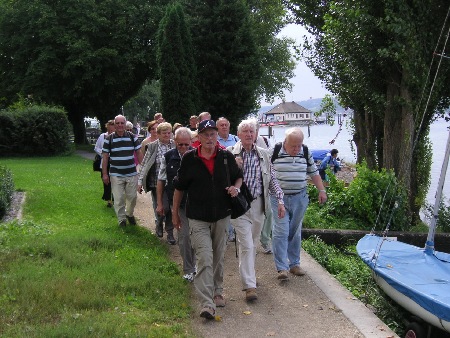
(305, 84)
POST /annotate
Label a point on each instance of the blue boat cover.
(420, 276)
(319, 154)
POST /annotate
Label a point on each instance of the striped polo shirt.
(292, 171)
(121, 157)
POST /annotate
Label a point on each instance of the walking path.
(314, 305)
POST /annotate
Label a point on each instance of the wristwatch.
(238, 190)
(281, 202)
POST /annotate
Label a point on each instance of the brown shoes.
(250, 295)
(219, 301)
(298, 271)
(283, 275)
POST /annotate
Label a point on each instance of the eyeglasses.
(183, 144)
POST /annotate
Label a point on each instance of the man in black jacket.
(202, 175)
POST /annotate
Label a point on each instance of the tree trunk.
(79, 129)
(399, 131)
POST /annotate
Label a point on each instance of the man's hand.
(281, 211)
(176, 219)
(322, 197)
(105, 179)
(160, 210)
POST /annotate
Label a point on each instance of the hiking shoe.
(231, 238)
(123, 223)
(170, 239)
(250, 295)
(131, 220)
(159, 231)
(189, 277)
(267, 248)
(298, 271)
(283, 275)
(219, 301)
(207, 313)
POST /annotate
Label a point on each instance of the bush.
(34, 131)
(373, 199)
(6, 190)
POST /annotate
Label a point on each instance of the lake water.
(321, 135)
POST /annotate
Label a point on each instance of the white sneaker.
(189, 277)
(267, 249)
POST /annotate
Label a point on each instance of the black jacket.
(207, 199)
(173, 161)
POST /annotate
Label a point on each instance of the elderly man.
(170, 164)
(148, 176)
(292, 163)
(203, 175)
(225, 138)
(119, 148)
(260, 178)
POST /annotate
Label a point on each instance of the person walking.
(148, 177)
(260, 178)
(292, 163)
(118, 150)
(170, 164)
(107, 194)
(203, 176)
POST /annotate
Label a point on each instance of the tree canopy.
(89, 57)
(376, 57)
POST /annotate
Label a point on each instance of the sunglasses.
(183, 144)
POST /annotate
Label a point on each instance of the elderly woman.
(152, 135)
(148, 176)
(110, 127)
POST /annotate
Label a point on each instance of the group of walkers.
(192, 173)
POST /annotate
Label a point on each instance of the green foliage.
(177, 71)
(34, 130)
(443, 220)
(351, 272)
(373, 199)
(328, 107)
(68, 270)
(145, 104)
(6, 190)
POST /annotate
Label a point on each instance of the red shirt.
(208, 162)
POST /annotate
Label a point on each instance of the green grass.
(68, 270)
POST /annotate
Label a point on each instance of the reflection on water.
(321, 136)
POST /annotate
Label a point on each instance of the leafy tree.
(177, 72)
(88, 56)
(144, 105)
(376, 57)
(328, 107)
(227, 59)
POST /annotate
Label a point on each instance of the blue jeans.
(287, 231)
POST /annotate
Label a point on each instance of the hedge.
(34, 131)
(6, 190)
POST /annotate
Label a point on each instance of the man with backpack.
(292, 163)
(118, 150)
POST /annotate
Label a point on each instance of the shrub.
(6, 190)
(35, 130)
(373, 198)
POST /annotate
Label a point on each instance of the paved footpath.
(314, 305)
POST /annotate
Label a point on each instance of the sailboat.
(418, 279)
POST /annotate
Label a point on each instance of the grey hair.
(120, 115)
(294, 131)
(183, 131)
(252, 123)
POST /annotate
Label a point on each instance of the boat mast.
(429, 245)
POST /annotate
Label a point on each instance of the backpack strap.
(276, 151)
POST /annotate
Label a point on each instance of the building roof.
(288, 107)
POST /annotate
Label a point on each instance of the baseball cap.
(206, 124)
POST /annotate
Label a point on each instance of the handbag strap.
(225, 161)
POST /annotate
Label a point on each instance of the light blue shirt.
(230, 141)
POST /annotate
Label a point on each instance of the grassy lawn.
(68, 270)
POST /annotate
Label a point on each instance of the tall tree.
(177, 71)
(375, 56)
(88, 56)
(226, 54)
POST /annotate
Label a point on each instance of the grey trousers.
(184, 243)
(209, 242)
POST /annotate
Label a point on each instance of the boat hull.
(416, 280)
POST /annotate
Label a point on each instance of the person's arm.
(319, 185)
(105, 176)
(99, 144)
(177, 197)
(159, 197)
(275, 189)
